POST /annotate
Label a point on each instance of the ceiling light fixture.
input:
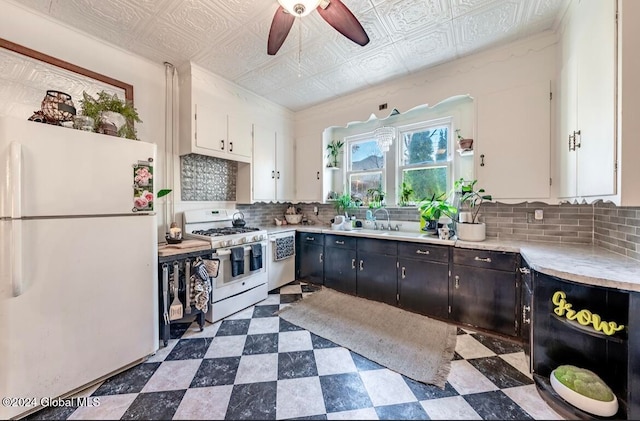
(299, 7)
(384, 135)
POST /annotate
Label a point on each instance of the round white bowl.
(293, 219)
(593, 406)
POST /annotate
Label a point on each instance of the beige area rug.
(413, 345)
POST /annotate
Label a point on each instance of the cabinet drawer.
(485, 259)
(369, 245)
(311, 238)
(340, 241)
(420, 251)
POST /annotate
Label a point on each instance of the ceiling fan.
(333, 11)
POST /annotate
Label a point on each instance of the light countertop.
(587, 264)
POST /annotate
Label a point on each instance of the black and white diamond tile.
(256, 365)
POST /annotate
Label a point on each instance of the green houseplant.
(100, 107)
(343, 203)
(469, 227)
(334, 149)
(406, 194)
(433, 209)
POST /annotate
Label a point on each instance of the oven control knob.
(257, 238)
(242, 240)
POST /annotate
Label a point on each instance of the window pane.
(425, 146)
(360, 183)
(365, 155)
(426, 182)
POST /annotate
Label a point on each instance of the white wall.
(520, 63)
(48, 36)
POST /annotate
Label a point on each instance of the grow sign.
(584, 317)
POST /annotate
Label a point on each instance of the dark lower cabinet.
(311, 257)
(559, 340)
(377, 278)
(340, 271)
(423, 279)
(483, 290)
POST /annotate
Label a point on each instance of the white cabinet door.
(586, 143)
(239, 135)
(596, 87)
(513, 153)
(211, 128)
(264, 164)
(285, 155)
(309, 169)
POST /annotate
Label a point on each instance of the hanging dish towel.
(237, 261)
(200, 286)
(285, 248)
(255, 262)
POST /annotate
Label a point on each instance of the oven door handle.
(219, 253)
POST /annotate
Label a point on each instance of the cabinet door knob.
(339, 242)
(273, 174)
(361, 265)
(482, 160)
(318, 175)
(353, 263)
(310, 238)
(320, 257)
(457, 282)
(222, 145)
(481, 259)
(230, 146)
(404, 272)
(278, 175)
(422, 251)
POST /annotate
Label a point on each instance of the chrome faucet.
(388, 220)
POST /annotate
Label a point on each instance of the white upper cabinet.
(211, 123)
(586, 142)
(512, 156)
(270, 177)
(310, 169)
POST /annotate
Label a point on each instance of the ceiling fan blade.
(280, 27)
(340, 17)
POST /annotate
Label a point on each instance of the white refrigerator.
(78, 259)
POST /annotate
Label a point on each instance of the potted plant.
(405, 194)
(436, 212)
(110, 114)
(334, 149)
(343, 203)
(375, 198)
(469, 227)
(464, 144)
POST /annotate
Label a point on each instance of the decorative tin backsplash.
(204, 178)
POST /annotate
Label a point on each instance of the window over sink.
(421, 160)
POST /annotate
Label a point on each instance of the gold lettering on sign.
(584, 316)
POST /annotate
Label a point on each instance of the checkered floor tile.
(254, 365)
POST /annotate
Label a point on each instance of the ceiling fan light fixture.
(299, 7)
(384, 135)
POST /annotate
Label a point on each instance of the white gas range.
(242, 251)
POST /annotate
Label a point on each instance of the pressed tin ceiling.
(229, 38)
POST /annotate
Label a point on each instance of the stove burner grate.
(217, 232)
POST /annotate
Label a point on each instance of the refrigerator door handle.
(15, 179)
(15, 250)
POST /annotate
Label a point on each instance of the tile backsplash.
(204, 178)
(617, 229)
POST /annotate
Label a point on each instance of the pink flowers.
(142, 176)
(144, 200)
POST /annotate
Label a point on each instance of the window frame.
(358, 138)
(447, 121)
